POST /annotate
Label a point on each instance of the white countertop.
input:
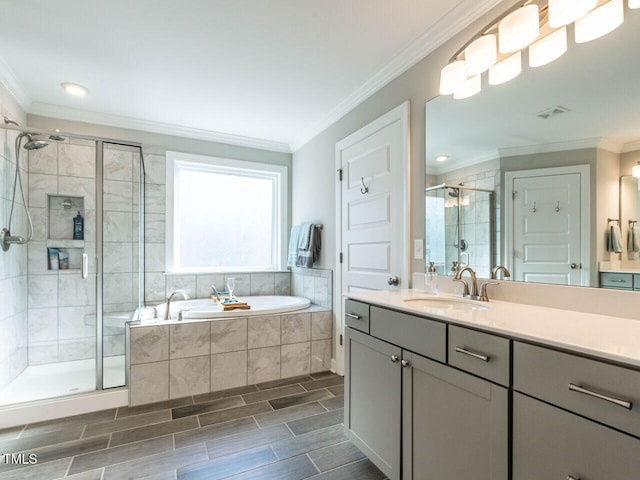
(624, 270)
(611, 338)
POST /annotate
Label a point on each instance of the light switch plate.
(418, 248)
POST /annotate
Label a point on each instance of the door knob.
(573, 266)
(393, 281)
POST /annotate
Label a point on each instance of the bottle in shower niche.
(78, 227)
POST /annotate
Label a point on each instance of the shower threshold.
(41, 382)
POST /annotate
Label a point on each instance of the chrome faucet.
(167, 307)
(474, 284)
(494, 272)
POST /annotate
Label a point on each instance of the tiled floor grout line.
(21, 432)
(313, 463)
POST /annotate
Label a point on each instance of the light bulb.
(469, 88)
(506, 69)
(548, 48)
(564, 12)
(519, 29)
(452, 77)
(480, 54)
(600, 21)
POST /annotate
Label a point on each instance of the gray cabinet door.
(455, 426)
(372, 399)
(549, 443)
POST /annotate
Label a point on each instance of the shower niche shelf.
(61, 210)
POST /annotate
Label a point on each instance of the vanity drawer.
(636, 282)
(356, 315)
(420, 335)
(591, 388)
(616, 280)
(479, 353)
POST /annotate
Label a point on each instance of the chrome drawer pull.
(405, 363)
(353, 315)
(571, 477)
(615, 401)
(484, 358)
(618, 281)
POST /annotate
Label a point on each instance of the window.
(224, 215)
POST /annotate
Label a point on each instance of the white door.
(373, 210)
(546, 226)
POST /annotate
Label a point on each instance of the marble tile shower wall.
(158, 284)
(13, 269)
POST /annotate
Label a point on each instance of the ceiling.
(597, 81)
(263, 73)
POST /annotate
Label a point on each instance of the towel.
(634, 239)
(305, 236)
(614, 244)
(294, 239)
(308, 256)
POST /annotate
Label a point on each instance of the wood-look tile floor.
(286, 429)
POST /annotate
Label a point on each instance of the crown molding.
(631, 146)
(66, 113)
(456, 20)
(13, 86)
(595, 142)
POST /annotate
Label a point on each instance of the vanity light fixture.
(600, 21)
(442, 158)
(635, 170)
(75, 89)
(537, 24)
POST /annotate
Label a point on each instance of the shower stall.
(460, 227)
(71, 262)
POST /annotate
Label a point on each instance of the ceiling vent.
(552, 112)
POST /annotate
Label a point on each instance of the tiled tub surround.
(316, 284)
(174, 359)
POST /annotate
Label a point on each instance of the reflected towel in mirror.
(614, 244)
(633, 243)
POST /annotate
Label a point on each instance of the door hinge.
(340, 257)
(340, 339)
(513, 194)
(340, 174)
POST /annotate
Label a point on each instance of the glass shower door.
(122, 272)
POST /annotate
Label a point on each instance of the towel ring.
(364, 188)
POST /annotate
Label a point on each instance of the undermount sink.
(446, 303)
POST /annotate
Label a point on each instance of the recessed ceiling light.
(75, 89)
(442, 158)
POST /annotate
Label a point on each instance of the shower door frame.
(492, 218)
(99, 188)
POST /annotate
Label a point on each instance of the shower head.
(33, 144)
(454, 192)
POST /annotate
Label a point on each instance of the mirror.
(629, 208)
(552, 145)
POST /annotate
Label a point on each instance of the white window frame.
(279, 173)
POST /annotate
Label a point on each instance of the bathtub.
(204, 308)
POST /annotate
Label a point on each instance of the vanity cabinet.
(373, 403)
(573, 417)
(415, 417)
